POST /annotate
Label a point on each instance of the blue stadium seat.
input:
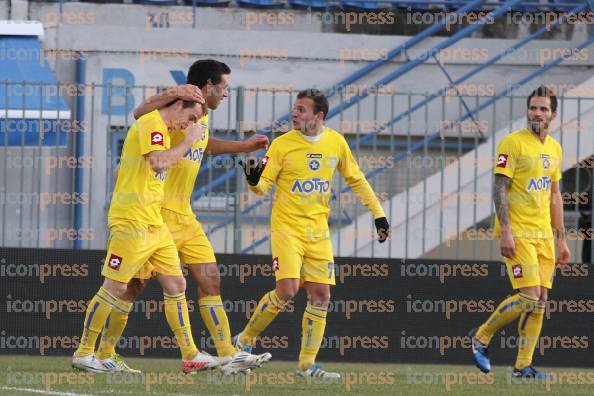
(361, 5)
(208, 3)
(260, 3)
(318, 5)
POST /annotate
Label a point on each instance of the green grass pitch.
(30, 375)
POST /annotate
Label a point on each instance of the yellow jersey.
(138, 192)
(532, 166)
(302, 171)
(181, 178)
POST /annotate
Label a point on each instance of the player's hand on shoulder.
(383, 229)
(189, 92)
(256, 142)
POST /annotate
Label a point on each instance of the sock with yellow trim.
(176, 312)
(113, 330)
(313, 326)
(529, 328)
(509, 310)
(216, 321)
(100, 306)
(269, 306)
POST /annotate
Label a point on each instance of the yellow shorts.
(533, 263)
(133, 245)
(297, 258)
(190, 241)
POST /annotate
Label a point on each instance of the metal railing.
(56, 193)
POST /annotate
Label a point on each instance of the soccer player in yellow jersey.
(138, 235)
(529, 224)
(207, 79)
(301, 163)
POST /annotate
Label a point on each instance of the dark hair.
(319, 99)
(206, 69)
(545, 92)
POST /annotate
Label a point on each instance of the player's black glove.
(383, 229)
(253, 169)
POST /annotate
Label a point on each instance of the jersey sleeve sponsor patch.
(157, 138)
(502, 160)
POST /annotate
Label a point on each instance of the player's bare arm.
(563, 254)
(502, 184)
(220, 146)
(187, 92)
(162, 160)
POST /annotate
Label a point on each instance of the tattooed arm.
(502, 184)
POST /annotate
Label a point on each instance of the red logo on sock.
(114, 262)
(517, 271)
(275, 264)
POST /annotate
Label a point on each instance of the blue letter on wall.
(121, 100)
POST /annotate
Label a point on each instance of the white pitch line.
(43, 392)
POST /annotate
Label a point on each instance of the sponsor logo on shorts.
(517, 271)
(275, 264)
(502, 160)
(114, 262)
(156, 138)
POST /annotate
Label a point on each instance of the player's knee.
(212, 287)
(116, 289)
(532, 292)
(320, 297)
(176, 285)
(133, 289)
(286, 291)
(544, 295)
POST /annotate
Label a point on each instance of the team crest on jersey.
(502, 160)
(546, 161)
(314, 165)
(115, 262)
(275, 264)
(157, 138)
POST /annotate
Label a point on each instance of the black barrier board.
(413, 311)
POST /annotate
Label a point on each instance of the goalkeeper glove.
(253, 169)
(383, 229)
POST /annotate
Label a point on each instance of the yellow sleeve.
(349, 169)
(272, 163)
(507, 156)
(559, 171)
(151, 134)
